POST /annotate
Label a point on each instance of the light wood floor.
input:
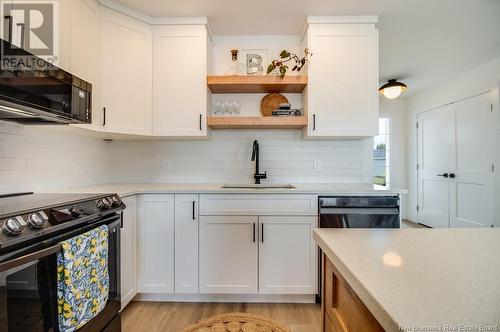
(171, 317)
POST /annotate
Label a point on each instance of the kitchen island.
(411, 279)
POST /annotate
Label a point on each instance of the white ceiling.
(421, 41)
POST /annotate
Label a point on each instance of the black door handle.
(253, 232)
(444, 175)
(194, 208)
(104, 116)
(201, 116)
(314, 121)
(262, 230)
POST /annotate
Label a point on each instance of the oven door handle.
(351, 211)
(29, 258)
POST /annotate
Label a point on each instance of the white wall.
(226, 158)
(395, 110)
(471, 82)
(34, 158)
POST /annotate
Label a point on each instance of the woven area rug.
(236, 322)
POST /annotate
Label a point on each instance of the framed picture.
(255, 60)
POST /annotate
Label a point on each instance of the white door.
(472, 186)
(228, 254)
(128, 251)
(179, 80)
(186, 243)
(436, 130)
(343, 80)
(156, 243)
(126, 71)
(84, 50)
(287, 255)
(457, 141)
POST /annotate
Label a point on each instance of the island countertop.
(421, 279)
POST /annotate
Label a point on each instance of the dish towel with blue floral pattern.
(82, 278)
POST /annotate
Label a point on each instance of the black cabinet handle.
(9, 17)
(201, 116)
(452, 175)
(253, 232)
(194, 208)
(314, 121)
(262, 231)
(444, 175)
(104, 116)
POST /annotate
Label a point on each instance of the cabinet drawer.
(257, 204)
(343, 309)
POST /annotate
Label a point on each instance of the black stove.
(32, 227)
(26, 218)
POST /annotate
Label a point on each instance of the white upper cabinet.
(179, 80)
(126, 70)
(83, 48)
(341, 98)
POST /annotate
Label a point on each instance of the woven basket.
(236, 322)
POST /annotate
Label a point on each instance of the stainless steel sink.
(258, 186)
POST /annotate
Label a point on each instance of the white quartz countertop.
(211, 188)
(421, 279)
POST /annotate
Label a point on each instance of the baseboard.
(247, 298)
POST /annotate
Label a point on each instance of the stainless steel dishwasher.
(356, 212)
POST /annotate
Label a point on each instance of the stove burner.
(12, 227)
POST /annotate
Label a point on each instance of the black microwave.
(33, 91)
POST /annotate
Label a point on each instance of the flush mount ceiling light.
(392, 89)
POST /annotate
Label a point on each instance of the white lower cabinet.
(228, 254)
(287, 255)
(128, 251)
(186, 243)
(156, 243)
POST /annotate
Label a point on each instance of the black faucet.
(255, 157)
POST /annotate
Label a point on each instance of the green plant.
(381, 146)
(286, 57)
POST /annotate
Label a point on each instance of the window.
(381, 153)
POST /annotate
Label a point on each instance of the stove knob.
(107, 202)
(36, 221)
(116, 201)
(75, 212)
(103, 204)
(12, 227)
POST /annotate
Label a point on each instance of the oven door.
(28, 292)
(359, 218)
(28, 285)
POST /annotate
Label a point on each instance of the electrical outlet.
(317, 165)
(78, 167)
(165, 165)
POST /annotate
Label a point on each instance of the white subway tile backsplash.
(43, 158)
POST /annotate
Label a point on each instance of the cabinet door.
(179, 80)
(84, 50)
(125, 74)
(228, 254)
(128, 253)
(287, 255)
(342, 93)
(186, 243)
(156, 244)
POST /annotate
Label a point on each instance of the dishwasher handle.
(387, 211)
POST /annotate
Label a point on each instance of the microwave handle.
(29, 258)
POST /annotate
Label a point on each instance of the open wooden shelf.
(256, 84)
(256, 122)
